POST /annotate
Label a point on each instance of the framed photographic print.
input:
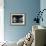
(17, 19)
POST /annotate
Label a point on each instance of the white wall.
(1, 21)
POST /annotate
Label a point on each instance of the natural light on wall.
(1, 20)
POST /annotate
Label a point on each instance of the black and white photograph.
(17, 19)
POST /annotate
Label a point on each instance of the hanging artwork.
(17, 19)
